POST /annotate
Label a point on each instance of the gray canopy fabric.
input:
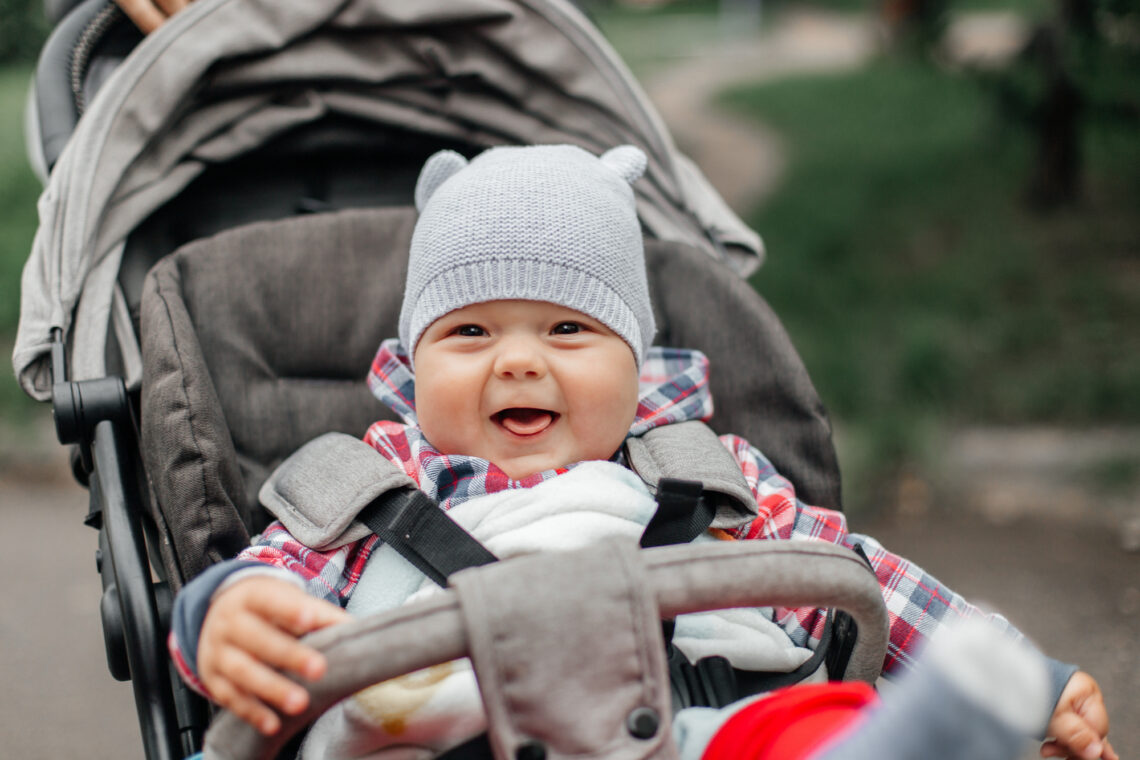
(225, 76)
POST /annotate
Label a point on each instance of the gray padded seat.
(260, 338)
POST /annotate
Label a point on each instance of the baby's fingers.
(292, 610)
(276, 648)
(1052, 749)
(248, 708)
(1075, 737)
(260, 688)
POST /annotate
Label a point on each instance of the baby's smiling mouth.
(525, 420)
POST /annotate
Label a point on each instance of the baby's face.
(527, 385)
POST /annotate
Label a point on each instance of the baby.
(523, 370)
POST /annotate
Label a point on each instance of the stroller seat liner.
(258, 340)
(253, 344)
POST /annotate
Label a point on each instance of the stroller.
(252, 156)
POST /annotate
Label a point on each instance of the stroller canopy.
(225, 77)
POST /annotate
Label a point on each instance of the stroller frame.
(97, 417)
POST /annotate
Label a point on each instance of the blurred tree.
(23, 29)
(1055, 118)
(915, 26)
(1080, 65)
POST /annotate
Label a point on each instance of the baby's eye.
(469, 331)
(566, 328)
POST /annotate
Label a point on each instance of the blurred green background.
(951, 245)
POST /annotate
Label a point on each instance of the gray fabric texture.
(270, 351)
(259, 339)
(542, 223)
(318, 491)
(779, 574)
(759, 384)
(543, 671)
(692, 451)
(187, 449)
(226, 77)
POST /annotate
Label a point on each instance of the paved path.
(58, 701)
(1069, 586)
(745, 161)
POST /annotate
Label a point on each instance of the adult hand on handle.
(148, 15)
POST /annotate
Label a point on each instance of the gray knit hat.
(542, 223)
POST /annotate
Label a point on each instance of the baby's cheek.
(446, 437)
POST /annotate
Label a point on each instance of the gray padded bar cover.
(797, 573)
(567, 663)
(318, 491)
(692, 451)
(687, 578)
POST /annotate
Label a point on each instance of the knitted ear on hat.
(438, 169)
(628, 161)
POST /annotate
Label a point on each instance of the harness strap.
(682, 513)
(692, 451)
(411, 523)
(714, 682)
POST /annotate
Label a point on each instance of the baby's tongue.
(525, 421)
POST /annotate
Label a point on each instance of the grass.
(19, 189)
(916, 284)
(1028, 8)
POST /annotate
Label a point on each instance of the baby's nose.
(520, 358)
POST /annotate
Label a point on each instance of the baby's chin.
(516, 470)
(520, 468)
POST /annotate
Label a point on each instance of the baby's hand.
(1080, 723)
(251, 629)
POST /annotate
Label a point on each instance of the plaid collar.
(674, 388)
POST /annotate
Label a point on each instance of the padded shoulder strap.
(692, 451)
(319, 490)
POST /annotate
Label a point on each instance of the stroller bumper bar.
(665, 582)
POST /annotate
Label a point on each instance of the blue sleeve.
(193, 601)
(1059, 675)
